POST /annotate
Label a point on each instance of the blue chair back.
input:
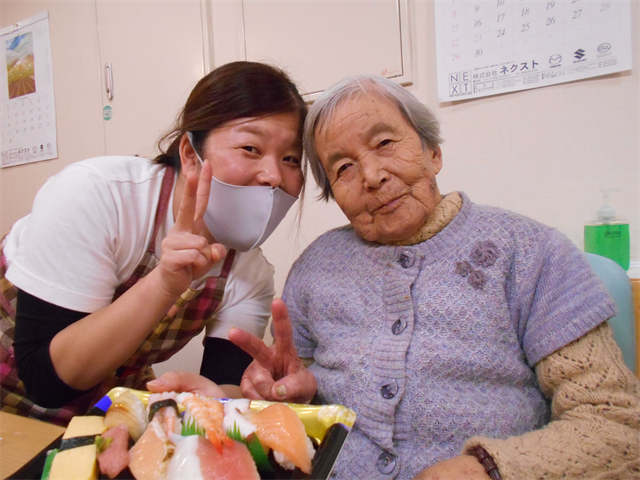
(619, 286)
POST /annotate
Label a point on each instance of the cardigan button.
(398, 327)
(389, 390)
(386, 463)
(407, 259)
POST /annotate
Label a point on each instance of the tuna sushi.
(196, 458)
(113, 455)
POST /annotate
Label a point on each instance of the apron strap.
(8, 293)
(143, 268)
(163, 203)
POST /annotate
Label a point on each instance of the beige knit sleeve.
(595, 427)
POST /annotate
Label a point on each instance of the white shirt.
(91, 225)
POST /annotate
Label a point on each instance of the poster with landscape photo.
(27, 107)
(21, 77)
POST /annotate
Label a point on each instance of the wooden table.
(21, 440)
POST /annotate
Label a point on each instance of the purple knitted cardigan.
(434, 343)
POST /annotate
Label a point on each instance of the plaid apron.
(186, 319)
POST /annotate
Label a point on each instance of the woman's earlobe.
(188, 157)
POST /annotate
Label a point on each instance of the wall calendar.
(26, 93)
(498, 46)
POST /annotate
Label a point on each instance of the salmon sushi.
(278, 427)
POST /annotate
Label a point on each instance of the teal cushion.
(619, 286)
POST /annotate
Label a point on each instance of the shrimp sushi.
(204, 416)
(279, 428)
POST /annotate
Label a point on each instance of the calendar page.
(26, 93)
(498, 46)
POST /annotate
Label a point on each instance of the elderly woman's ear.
(436, 159)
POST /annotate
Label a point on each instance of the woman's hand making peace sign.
(116, 331)
(186, 253)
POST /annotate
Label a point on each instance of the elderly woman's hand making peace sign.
(276, 373)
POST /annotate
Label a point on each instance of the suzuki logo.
(579, 54)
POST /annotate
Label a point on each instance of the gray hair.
(418, 115)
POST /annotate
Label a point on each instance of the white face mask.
(243, 217)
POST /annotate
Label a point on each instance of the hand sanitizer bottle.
(607, 235)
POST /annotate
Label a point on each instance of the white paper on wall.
(26, 92)
(498, 46)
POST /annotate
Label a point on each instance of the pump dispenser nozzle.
(607, 212)
(607, 235)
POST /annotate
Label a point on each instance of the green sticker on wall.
(107, 112)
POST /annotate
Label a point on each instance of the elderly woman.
(471, 341)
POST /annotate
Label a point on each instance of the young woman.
(123, 260)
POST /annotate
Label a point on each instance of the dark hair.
(234, 90)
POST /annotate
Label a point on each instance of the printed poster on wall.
(498, 46)
(26, 93)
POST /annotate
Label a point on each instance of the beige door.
(154, 51)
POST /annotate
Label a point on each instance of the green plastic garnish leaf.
(258, 453)
(102, 443)
(234, 433)
(253, 445)
(191, 427)
(47, 464)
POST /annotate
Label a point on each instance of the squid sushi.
(165, 408)
(279, 428)
(128, 410)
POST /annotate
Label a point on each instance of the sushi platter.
(131, 434)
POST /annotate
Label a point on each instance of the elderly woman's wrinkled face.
(381, 176)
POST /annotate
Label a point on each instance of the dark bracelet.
(487, 462)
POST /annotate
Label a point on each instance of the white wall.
(547, 152)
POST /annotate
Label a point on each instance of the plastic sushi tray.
(327, 427)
